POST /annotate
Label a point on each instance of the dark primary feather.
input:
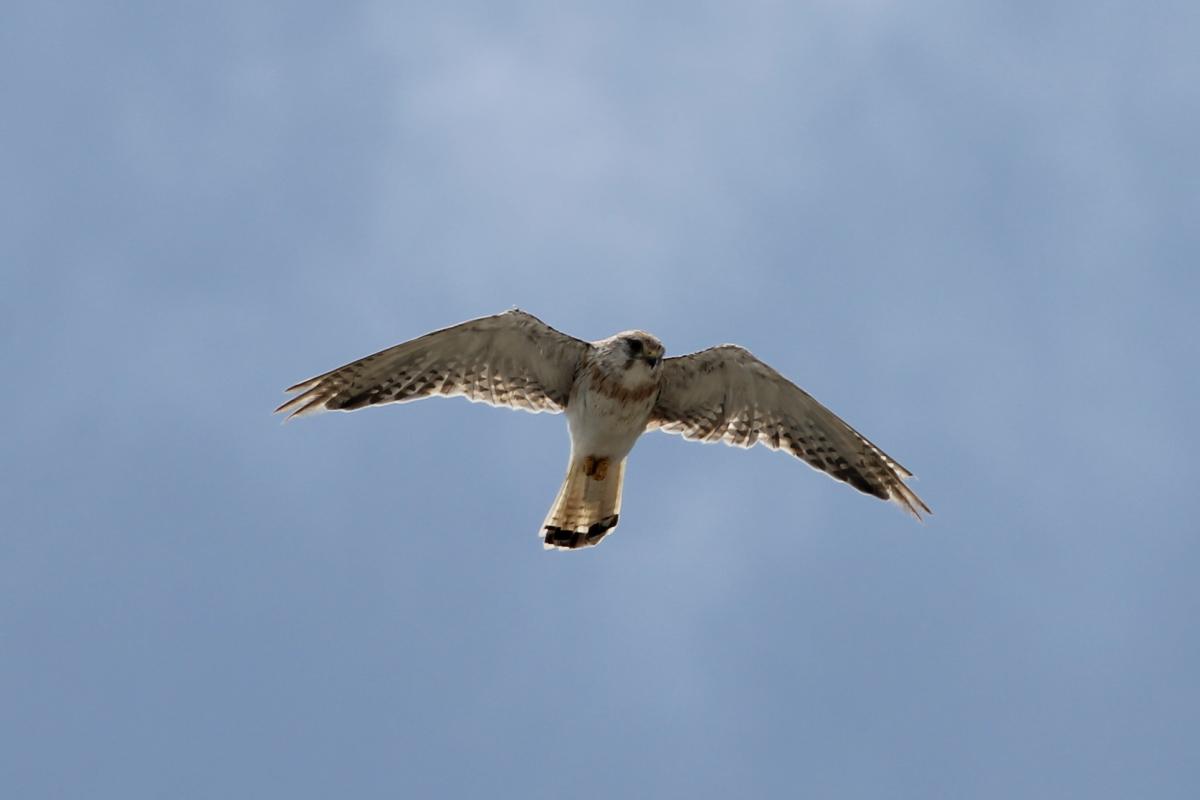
(726, 394)
(511, 359)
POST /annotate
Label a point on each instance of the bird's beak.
(652, 361)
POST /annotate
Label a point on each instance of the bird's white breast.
(607, 412)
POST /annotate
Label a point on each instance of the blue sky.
(967, 228)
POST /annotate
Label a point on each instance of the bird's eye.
(635, 347)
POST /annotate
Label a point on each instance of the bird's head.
(633, 350)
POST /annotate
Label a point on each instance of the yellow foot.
(595, 468)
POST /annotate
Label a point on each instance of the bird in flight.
(612, 391)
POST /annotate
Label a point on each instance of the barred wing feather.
(726, 394)
(511, 359)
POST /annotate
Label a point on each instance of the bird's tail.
(587, 505)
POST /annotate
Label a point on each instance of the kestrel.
(612, 391)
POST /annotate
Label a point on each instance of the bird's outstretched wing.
(725, 394)
(511, 359)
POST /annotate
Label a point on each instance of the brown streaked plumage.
(612, 391)
(608, 385)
